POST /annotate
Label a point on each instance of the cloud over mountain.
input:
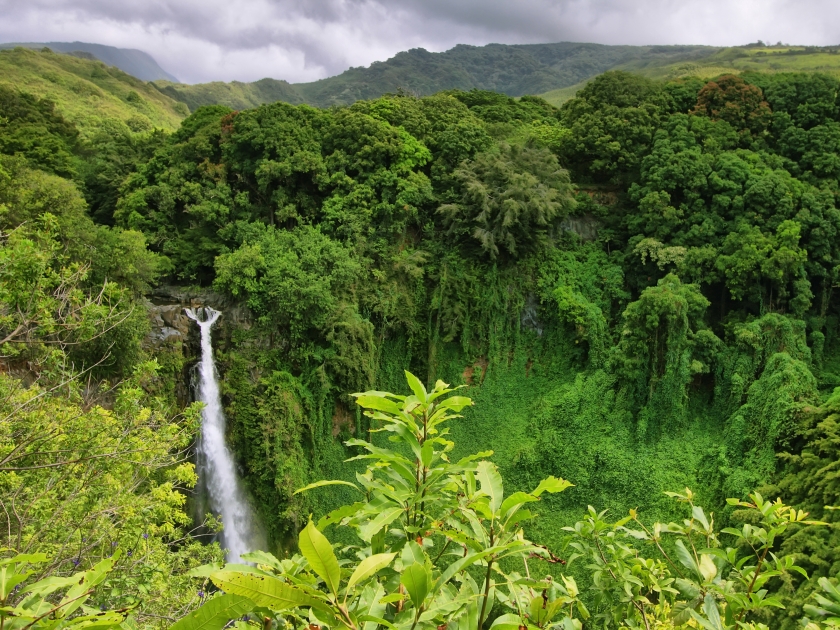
(303, 40)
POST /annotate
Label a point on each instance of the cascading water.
(216, 469)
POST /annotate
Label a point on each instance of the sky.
(306, 40)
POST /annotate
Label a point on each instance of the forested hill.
(553, 71)
(512, 70)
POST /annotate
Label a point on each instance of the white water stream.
(216, 468)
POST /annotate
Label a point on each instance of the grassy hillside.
(511, 70)
(561, 95)
(734, 60)
(235, 94)
(88, 92)
(750, 59)
(135, 62)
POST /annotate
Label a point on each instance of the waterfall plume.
(216, 468)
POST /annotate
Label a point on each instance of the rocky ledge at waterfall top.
(168, 320)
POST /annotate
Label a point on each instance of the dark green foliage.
(182, 188)
(810, 478)
(512, 201)
(235, 94)
(709, 255)
(662, 346)
(114, 154)
(612, 122)
(732, 216)
(300, 286)
(809, 100)
(32, 128)
(666, 316)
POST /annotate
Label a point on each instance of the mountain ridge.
(137, 63)
(512, 69)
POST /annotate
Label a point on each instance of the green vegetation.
(131, 61)
(554, 71)
(88, 93)
(440, 543)
(512, 70)
(637, 290)
(744, 59)
(236, 95)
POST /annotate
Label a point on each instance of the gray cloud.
(304, 40)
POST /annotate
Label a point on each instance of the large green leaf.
(205, 570)
(708, 568)
(454, 403)
(553, 485)
(370, 605)
(108, 619)
(712, 620)
(321, 484)
(319, 553)
(29, 558)
(416, 386)
(412, 553)
(517, 499)
(339, 514)
(417, 582)
(379, 404)
(263, 590)
(264, 558)
(215, 613)
(508, 621)
(9, 580)
(686, 559)
(75, 596)
(491, 484)
(461, 564)
(369, 566)
(373, 526)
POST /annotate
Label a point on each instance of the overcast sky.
(305, 40)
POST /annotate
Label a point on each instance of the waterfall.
(216, 469)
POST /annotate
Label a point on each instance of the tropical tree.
(511, 201)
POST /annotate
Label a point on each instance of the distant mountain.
(511, 69)
(134, 62)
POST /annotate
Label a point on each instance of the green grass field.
(89, 93)
(726, 61)
(560, 96)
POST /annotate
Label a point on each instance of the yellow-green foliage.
(88, 93)
(751, 59)
(561, 95)
(236, 95)
(80, 482)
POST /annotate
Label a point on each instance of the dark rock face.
(175, 339)
(586, 227)
(169, 322)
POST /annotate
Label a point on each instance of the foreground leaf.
(215, 613)
(491, 484)
(417, 582)
(319, 553)
(369, 566)
(263, 590)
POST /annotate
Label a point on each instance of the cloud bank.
(306, 40)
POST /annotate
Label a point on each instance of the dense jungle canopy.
(636, 291)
